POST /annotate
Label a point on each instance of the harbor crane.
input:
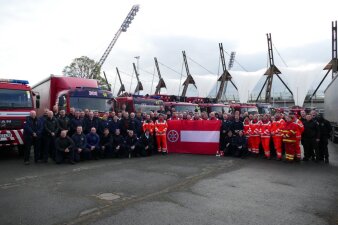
(122, 88)
(225, 77)
(189, 79)
(139, 86)
(333, 64)
(161, 83)
(271, 71)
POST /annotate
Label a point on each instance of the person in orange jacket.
(265, 135)
(254, 132)
(300, 130)
(289, 138)
(148, 124)
(276, 126)
(161, 137)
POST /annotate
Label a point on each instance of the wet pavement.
(173, 189)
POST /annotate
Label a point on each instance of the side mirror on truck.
(37, 101)
(62, 102)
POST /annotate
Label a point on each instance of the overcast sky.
(41, 37)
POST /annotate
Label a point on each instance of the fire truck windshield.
(184, 108)
(220, 109)
(146, 108)
(15, 99)
(250, 110)
(95, 104)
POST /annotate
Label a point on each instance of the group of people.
(273, 135)
(85, 135)
(82, 135)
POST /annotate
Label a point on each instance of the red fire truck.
(181, 106)
(16, 101)
(137, 103)
(243, 107)
(67, 92)
(172, 101)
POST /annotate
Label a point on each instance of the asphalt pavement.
(172, 189)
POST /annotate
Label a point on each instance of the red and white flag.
(193, 136)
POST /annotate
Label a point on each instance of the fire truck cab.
(243, 107)
(264, 108)
(17, 100)
(68, 92)
(214, 107)
(181, 107)
(137, 104)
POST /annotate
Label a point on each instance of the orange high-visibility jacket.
(276, 127)
(246, 126)
(255, 128)
(289, 132)
(300, 127)
(148, 126)
(265, 129)
(160, 127)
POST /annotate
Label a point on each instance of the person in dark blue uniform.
(63, 121)
(118, 144)
(131, 142)
(114, 124)
(103, 123)
(51, 129)
(106, 143)
(240, 145)
(237, 125)
(75, 122)
(325, 130)
(226, 125)
(31, 134)
(146, 143)
(90, 122)
(227, 144)
(80, 145)
(64, 148)
(93, 143)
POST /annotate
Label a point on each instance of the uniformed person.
(161, 127)
(325, 130)
(310, 137)
(80, 145)
(51, 129)
(31, 134)
(64, 148)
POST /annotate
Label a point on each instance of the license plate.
(5, 135)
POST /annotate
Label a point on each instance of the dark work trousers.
(95, 153)
(108, 152)
(83, 155)
(323, 151)
(240, 152)
(29, 142)
(309, 145)
(61, 156)
(49, 147)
